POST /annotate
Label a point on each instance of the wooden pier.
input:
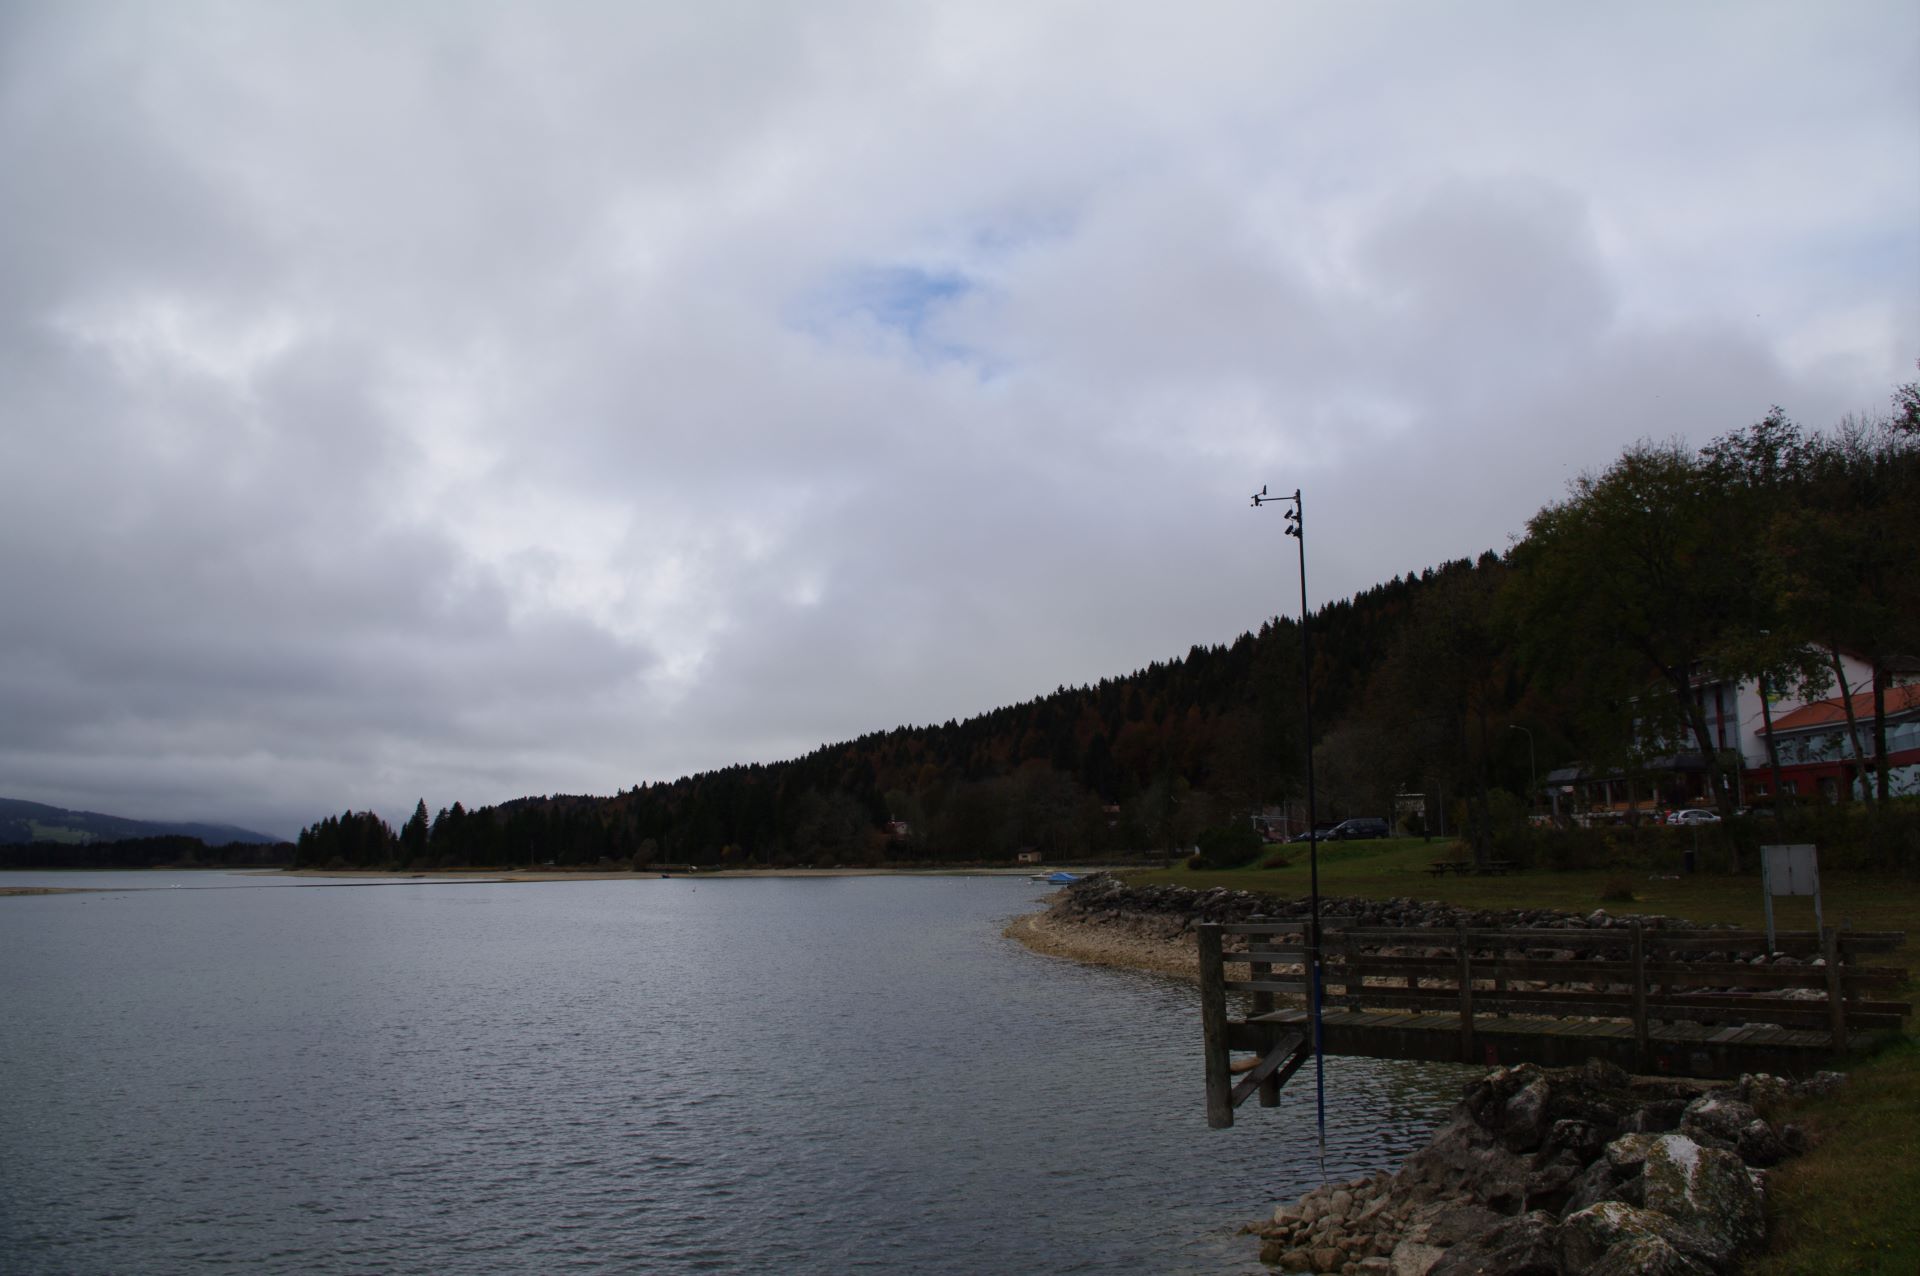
(1684, 1002)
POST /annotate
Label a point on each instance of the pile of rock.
(1552, 1173)
(1103, 898)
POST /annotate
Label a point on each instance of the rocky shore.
(1106, 922)
(1573, 1172)
(1539, 1173)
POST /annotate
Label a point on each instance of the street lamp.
(1296, 528)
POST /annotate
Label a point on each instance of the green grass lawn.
(1853, 1203)
(1398, 867)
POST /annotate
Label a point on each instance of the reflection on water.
(811, 1075)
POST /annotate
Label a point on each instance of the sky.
(460, 401)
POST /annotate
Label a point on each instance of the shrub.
(1618, 890)
(1231, 846)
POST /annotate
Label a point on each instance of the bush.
(1231, 846)
(1851, 837)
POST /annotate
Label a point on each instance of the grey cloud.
(466, 402)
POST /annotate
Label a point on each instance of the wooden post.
(1499, 983)
(1259, 970)
(1263, 1004)
(1213, 1027)
(1836, 998)
(1356, 983)
(1642, 1038)
(1466, 995)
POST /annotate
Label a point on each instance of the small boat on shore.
(1061, 878)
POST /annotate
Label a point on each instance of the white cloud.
(472, 401)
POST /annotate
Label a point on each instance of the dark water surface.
(783, 1075)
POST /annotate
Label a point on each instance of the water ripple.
(808, 1076)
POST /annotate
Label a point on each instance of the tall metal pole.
(1296, 528)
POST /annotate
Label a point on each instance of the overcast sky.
(466, 400)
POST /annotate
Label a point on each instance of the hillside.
(1151, 758)
(22, 822)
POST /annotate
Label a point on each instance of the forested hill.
(36, 822)
(1145, 760)
(1763, 555)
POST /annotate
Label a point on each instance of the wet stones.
(1558, 1173)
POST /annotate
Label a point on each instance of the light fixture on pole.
(1296, 528)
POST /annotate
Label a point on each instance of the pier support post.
(1213, 1027)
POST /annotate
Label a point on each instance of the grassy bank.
(1852, 1205)
(1398, 867)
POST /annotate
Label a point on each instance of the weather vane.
(1296, 528)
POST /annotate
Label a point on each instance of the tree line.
(169, 851)
(1766, 553)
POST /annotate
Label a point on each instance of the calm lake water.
(783, 1075)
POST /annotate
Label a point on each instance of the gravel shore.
(1158, 944)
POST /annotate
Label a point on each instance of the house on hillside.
(1816, 756)
(1816, 750)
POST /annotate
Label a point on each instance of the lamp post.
(1533, 771)
(1296, 528)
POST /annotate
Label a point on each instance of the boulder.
(1716, 1120)
(1523, 1120)
(1709, 1192)
(1548, 1186)
(1657, 1116)
(1759, 1145)
(1645, 1256)
(1289, 1260)
(1452, 1222)
(1414, 1258)
(1594, 1232)
(1762, 1090)
(1628, 1153)
(1581, 1137)
(1598, 1183)
(1464, 1159)
(1528, 1245)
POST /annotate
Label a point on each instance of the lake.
(814, 1075)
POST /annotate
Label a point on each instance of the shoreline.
(1134, 946)
(1541, 1172)
(627, 875)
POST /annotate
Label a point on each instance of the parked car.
(1693, 815)
(1363, 827)
(1320, 831)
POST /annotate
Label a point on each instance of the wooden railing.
(1640, 975)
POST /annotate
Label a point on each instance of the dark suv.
(1365, 826)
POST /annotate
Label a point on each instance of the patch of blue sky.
(900, 304)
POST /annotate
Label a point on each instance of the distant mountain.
(22, 822)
